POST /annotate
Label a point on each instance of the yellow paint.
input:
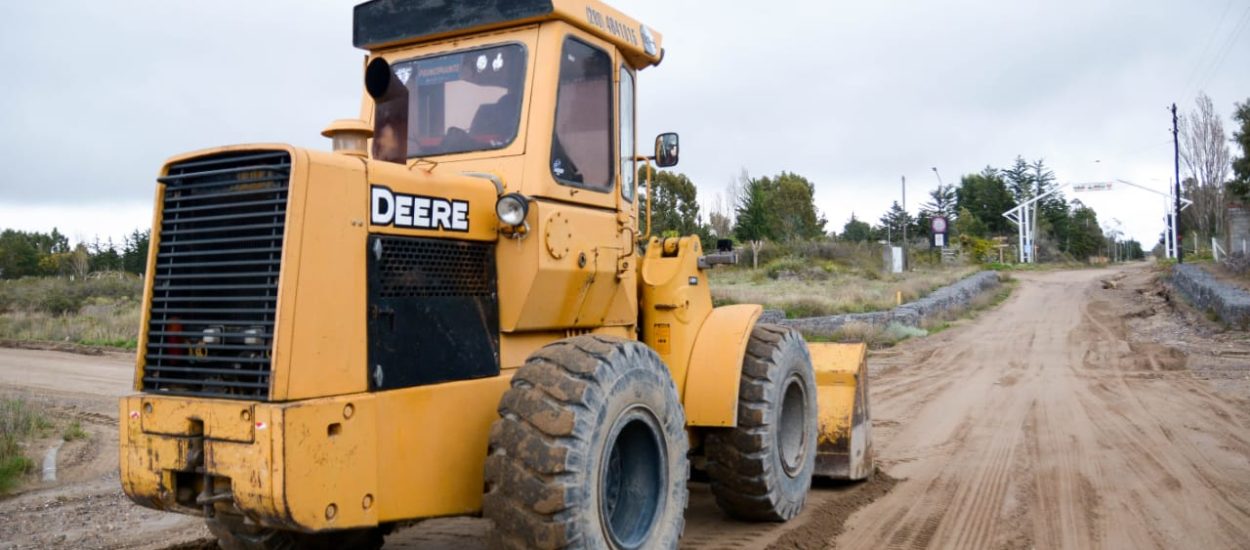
(842, 401)
(564, 276)
(669, 298)
(145, 313)
(298, 461)
(215, 419)
(710, 389)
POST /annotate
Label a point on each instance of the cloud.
(851, 95)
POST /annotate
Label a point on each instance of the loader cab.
(539, 93)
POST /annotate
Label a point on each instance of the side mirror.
(666, 150)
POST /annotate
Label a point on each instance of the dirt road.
(1072, 416)
(1067, 418)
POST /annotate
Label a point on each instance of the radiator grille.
(429, 268)
(215, 290)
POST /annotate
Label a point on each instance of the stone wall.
(939, 302)
(1231, 304)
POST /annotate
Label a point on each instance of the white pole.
(1176, 222)
(1167, 246)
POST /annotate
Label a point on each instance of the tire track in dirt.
(1072, 432)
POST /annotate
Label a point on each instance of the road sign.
(1092, 186)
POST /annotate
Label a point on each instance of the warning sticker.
(663, 338)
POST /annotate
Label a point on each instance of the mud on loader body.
(458, 297)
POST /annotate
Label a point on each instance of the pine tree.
(894, 220)
(756, 219)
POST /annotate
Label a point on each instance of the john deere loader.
(460, 311)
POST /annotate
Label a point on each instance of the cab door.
(581, 226)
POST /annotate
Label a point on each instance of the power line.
(1228, 46)
(1210, 70)
(1219, 24)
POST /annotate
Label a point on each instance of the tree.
(985, 196)
(755, 216)
(675, 205)
(856, 230)
(104, 256)
(1240, 184)
(80, 261)
(969, 224)
(1086, 237)
(894, 220)
(720, 224)
(941, 202)
(135, 251)
(794, 207)
(1020, 181)
(19, 257)
(1204, 151)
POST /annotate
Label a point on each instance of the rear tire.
(234, 534)
(589, 451)
(762, 469)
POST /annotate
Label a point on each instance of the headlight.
(512, 208)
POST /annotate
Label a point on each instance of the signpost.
(938, 229)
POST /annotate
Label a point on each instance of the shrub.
(74, 431)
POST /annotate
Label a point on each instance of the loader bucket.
(844, 444)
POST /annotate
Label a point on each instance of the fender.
(710, 391)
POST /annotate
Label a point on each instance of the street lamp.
(939, 176)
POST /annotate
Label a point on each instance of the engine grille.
(214, 298)
(426, 268)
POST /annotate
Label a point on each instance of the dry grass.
(98, 311)
(19, 422)
(826, 289)
(113, 325)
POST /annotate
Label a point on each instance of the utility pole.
(905, 262)
(1176, 172)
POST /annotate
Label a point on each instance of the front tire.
(761, 470)
(589, 450)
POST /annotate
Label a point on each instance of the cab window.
(463, 101)
(628, 173)
(581, 147)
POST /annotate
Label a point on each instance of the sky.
(853, 96)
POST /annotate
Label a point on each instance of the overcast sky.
(95, 95)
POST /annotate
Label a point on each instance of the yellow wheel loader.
(459, 311)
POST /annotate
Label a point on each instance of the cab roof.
(382, 24)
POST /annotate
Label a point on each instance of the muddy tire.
(233, 534)
(762, 469)
(589, 450)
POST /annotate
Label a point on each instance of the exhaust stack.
(390, 120)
